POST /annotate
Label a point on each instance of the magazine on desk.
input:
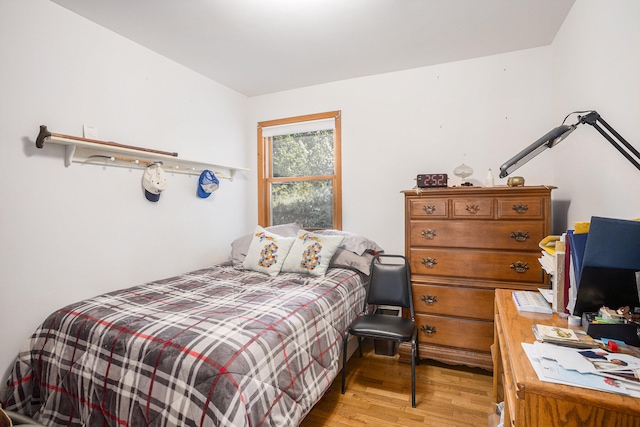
(593, 360)
(594, 369)
(563, 336)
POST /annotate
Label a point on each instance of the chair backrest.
(390, 283)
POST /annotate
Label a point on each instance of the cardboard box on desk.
(611, 260)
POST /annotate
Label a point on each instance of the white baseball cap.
(154, 182)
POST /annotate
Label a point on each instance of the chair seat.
(384, 327)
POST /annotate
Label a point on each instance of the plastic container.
(386, 347)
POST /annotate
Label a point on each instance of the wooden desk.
(531, 402)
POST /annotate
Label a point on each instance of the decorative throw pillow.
(353, 242)
(240, 246)
(267, 252)
(311, 253)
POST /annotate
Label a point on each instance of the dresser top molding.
(464, 190)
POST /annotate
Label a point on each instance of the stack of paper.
(548, 245)
(553, 263)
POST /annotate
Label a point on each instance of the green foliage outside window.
(309, 202)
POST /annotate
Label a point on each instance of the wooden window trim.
(264, 211)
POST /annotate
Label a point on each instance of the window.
(299, 171)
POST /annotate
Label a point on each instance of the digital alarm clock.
(432, 180)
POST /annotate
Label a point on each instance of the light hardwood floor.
(379, 394)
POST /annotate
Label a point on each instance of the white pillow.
(311, 253)
(267, 252)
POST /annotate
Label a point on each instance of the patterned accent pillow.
(267, 252)
(311, 253)
(240, 246)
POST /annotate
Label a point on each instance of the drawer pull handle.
(520, 236)
(520, 267)
(429, 209)
(473, 209)
(520, 208)
(429, 262)
(428, 329)
(429, 234)
(429, 299)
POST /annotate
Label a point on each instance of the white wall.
(66, 234)
(482, 112)
(71, 233)
(395, 126)
(596, 66)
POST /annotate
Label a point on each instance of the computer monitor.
(609, 287)
(610, 266)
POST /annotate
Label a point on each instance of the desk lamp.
(553, 137)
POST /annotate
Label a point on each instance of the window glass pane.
(303, 154)
(307, 202)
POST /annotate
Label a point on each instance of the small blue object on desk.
(531, 301)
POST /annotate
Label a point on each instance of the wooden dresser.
(462, 243)
(533, 403)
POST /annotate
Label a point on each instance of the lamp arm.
(556, 135)
(594, 119)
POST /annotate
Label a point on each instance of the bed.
(220, 346)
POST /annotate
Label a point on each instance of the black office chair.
(389, 284)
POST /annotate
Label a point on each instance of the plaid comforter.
(214, 347)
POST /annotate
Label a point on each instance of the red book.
(567, 276)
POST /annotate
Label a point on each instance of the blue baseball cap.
(207, 184)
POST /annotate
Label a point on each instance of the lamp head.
(549, 140)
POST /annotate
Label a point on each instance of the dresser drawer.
(523, 208)
(480, 208)
(454, 301)
(429, 208)
(448, 331)
(510, 266)
(510, 235)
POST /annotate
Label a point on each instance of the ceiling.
(257, 47)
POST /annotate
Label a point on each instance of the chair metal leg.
(413, 374)
(344, 361)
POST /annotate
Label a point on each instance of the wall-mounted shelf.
(104, 153)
